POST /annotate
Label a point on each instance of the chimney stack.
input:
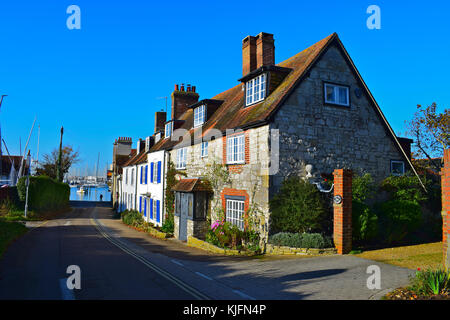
(265, 50)
(160, 119)
(181, 100)
(248, 55)
(257, 52)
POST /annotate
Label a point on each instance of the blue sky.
(104, 80)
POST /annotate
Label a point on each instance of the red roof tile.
(232, 114)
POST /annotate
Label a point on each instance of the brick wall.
(445, 172)
(342, 231)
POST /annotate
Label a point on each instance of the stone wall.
(252, 176)
(327, 136)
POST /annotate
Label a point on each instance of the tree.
(431, 133)
(49, 166)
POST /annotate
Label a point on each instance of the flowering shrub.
(225, 235)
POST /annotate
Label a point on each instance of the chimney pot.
(176, 87)
(181, 102)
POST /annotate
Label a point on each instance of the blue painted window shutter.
(140, 204)
(159, 172)
(141, 175)
(151, 171)
(145, 207)
(146, 174)
(157, 210)
(151, 209)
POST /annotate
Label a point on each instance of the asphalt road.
(117, 262)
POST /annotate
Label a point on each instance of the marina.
(91, 193)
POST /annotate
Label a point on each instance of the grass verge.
(9, 231)
(423, 256)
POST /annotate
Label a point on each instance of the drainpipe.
(163, 178)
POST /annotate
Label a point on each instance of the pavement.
(118, 262)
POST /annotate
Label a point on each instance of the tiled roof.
(232, 114)
(191, 185)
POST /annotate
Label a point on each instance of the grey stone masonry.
(331, 136)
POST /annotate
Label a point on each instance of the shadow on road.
(89, 204)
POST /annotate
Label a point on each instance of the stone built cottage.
(314, 108)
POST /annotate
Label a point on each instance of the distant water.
(92, 194)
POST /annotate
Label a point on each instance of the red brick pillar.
(342, 232)
(445, 181)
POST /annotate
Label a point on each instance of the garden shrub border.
(144, 226)
(283, 250)
(200, 244)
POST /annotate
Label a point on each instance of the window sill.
(329, 104)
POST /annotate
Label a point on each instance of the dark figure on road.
(101, 197)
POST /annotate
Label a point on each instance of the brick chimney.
(265, 50)
(406, 145)
(182, 99)
(248, 55)
(160, 119)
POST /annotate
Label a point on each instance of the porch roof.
(192, 185)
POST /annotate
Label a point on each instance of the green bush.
(363, 187)
(404, 187)
(133, 218)
(298, 207)
(398, 219)
(225, 235)
(300, 240)
(168, 225)
(364, 222)
(429, 282)
(44, 193)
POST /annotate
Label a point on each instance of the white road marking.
(243, 295)
(67, 223)
(176, 262)
(66, 293)
(202, 275)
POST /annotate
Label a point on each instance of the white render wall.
(128, 189)
(156, 190)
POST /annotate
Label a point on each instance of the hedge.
(300, 240)
(44, 193)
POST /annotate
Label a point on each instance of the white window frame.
(199, 115)
(155, 207)
(235, 212)
(204, 149)
(255, 89)
(236, 149)
(336, 91)
(403, 167)
(155, 172)
(168, 130)
(181, 158)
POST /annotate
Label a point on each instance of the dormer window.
(255, 89)
(199, 115)
(147, 144)
(168, 130)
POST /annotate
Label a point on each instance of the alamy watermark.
(74, 280)
(374, 20)
(374, 280)
(74, 20)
